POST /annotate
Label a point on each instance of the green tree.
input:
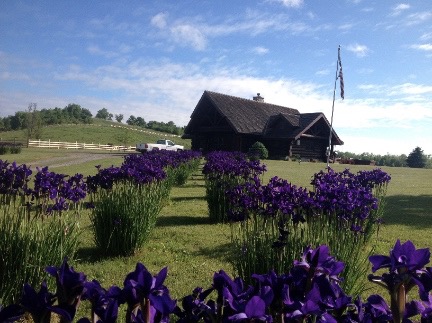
(18, 120)
(140, 122)
(119, 117)
(33, 122)
(73, 112)
(416, 159)
(131, 121)
(104, 114)
(86, 116)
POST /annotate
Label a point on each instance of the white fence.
(76, 145)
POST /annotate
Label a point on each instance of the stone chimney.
(258, 98)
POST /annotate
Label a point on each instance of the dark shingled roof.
(249, 116)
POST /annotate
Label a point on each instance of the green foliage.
(15, 149)
(124, 216)
(217, 201)
(28, 246)
(416, 159)
(168, 127)
(33, 123)
(179, 175)
(380, 160)
(104, 114)
(119, 117)
(134, 121)
(10, 149)
(258, 151)
(4, 149)
(33, 120)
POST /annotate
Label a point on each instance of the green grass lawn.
(193, 248)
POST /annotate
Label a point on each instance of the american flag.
(342, 92)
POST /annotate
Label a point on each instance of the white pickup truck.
(161, 144)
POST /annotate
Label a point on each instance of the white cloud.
(290, 3)
(260, 50)
(425, 47)
(426, 36)
(96, 50)
(189, 35)
(159, 20)
(359, 50)
(418, 18)
(193, 31)
(346, 27)
(323, 72)
(399, 8)
(410, 88)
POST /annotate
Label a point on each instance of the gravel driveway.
(74, 158)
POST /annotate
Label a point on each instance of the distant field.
(193, 248)
(100, 132)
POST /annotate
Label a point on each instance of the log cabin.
(225, 122)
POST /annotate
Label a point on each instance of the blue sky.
(154, 59)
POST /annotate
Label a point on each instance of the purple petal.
(379, 261)
(160, 278)
(255, 307)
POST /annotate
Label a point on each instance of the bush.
(4, 149)
(124, 216)
(16, 149)
(258, 151)
(223, 171)
(128, 199)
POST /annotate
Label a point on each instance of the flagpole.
(331, 120)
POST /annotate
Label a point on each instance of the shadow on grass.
(221, 251)
(187, 198)
(176, 220)
(414, 211)
(190, 185)
(90, 254)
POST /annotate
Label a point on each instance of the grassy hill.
(100, 132)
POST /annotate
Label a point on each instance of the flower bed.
(309, 292)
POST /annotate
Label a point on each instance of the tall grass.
(124, 216)
(27, 247)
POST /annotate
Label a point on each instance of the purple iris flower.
(195, 308)
(319, 262)
(377, 310)
(40, 304)
(405, 265)
(254, 311)
(70, 284)
(140, 287)
(104, 306)
(404, 257)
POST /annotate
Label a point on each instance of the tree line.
(168, 127)
(33, 120)
(416, 159)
